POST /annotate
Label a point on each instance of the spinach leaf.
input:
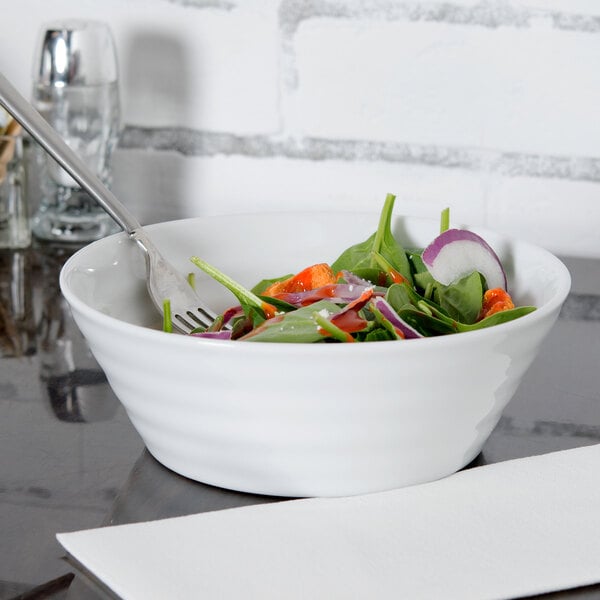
(425, 316)
(500, 317)
(254, 308)
(462, 300)
(425, 280)
(416, 262)
(379, 334)
(372, 274)
(401, 296)
(296, 326)
(427, 324)
(360, 256)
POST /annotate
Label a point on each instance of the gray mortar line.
(485, 14)
(190, 142)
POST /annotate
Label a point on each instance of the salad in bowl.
(391, 362)
(375, 290)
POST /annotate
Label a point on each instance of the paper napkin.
(504, 530)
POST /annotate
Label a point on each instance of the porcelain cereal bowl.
(302, 419)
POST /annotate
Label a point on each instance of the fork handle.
(52, 142)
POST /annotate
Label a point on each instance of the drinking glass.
(75, 386)
(17, 322)
(76, 91)
(14, 218)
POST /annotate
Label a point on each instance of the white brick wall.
(238, 105)
(508, 88)
(181, 66)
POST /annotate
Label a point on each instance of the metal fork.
(188, 311)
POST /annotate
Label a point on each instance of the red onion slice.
(456, 253)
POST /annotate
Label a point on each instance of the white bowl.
(295, 419)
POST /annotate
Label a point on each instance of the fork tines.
(191, 320)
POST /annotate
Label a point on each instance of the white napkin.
(504, 530)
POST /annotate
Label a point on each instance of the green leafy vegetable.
(445, 220)
(361, 257)
(347, 308)
(167, 317)
(298, 326)
(500, 317)
(463, 300)
(254, 308)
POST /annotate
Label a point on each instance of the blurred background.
(489, 107)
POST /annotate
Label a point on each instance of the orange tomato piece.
(310, 278)
(396, 277)
(495, 300)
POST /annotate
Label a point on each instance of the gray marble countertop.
(71, 459)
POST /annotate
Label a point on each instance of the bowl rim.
(143, 332)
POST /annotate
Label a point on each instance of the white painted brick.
(203, 68)
(532, 89)
(562, 216)
(485, 89)
(166, 186)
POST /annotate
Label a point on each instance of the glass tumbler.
(14, 216)
(76, 91)
(75, 386)
(17, 322)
